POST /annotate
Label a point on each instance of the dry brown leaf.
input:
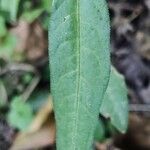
(37, 42)
(41, 138)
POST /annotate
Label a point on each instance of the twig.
(10, 68)
(30, 88)
(17, 67)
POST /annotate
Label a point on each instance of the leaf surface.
(79, 66)
(115, 104)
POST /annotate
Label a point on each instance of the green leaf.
(3, 95)
(3, 29)
(20, 115)
(100, 131)
(79, 65)
(44, 19)
(10, 7)
(7, 46)
(27, 78)
(46, 4)
(31, 15)
(115, 104)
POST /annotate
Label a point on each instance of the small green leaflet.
(7, 46)
(3, 95)
(115, 104)
(10, 7)
(20, 114)
(3, 29)
(79, 37)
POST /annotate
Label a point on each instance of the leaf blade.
(76, 45)
(115, 104)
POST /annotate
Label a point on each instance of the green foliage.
(9, 13)
(20, 115)
(79, 65)
(7, 45)
(46, 4)
(30, 14)
(3, 29)
(3, 95)
(9, 9)
(115, 104)
(27, 78)
(100, 131)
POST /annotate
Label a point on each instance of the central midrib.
(78, 71)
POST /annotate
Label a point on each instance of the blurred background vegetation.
(26, 117)
(24, 71)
